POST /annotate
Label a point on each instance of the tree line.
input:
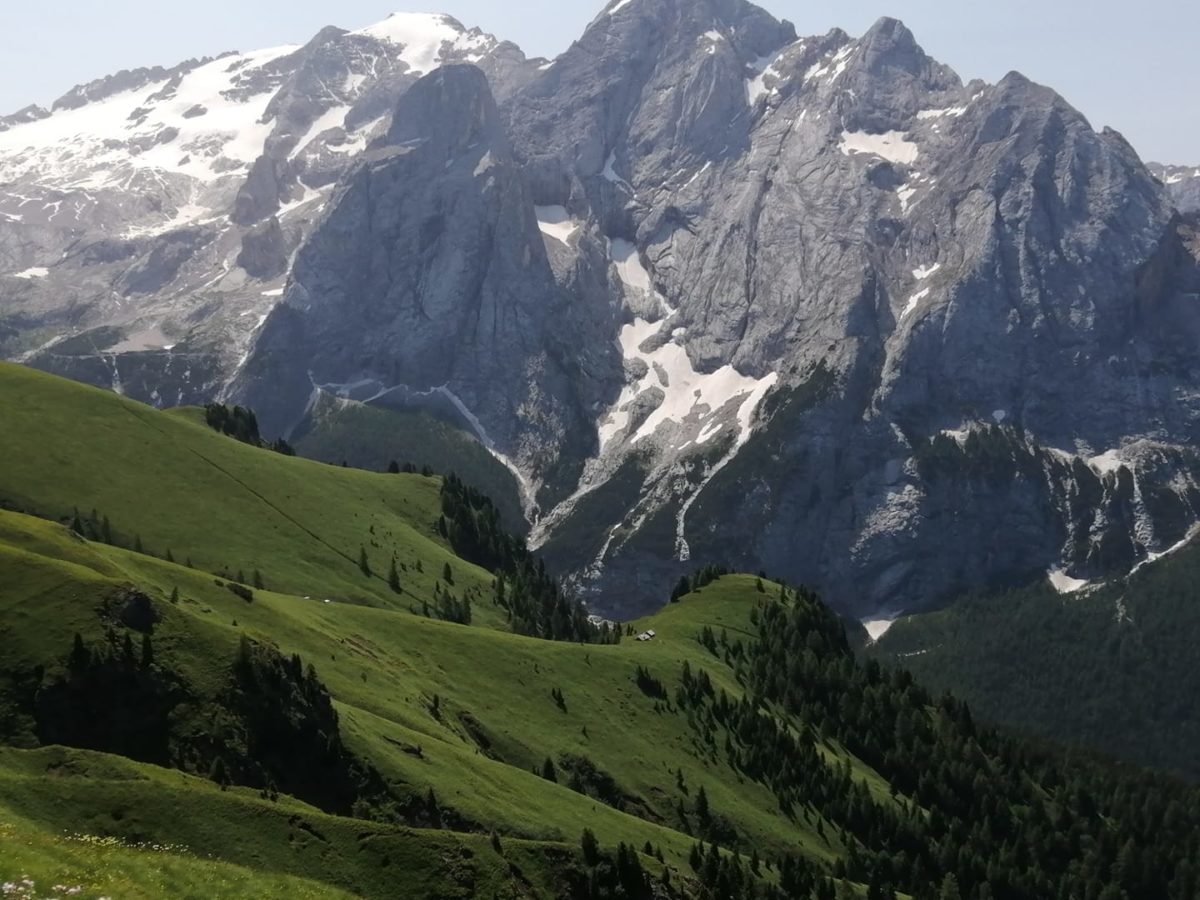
(536, 605)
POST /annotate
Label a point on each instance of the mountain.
(331, 732)
(149, 219)
(704, 288)
(1183, 184)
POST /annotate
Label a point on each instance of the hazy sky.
(1131, 66)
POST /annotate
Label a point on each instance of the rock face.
(428, 277)
(166, 203)
(897, 257)
(1183, 184)
(713, 292)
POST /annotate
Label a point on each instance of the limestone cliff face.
(907, 260)
(711, 291)
(428, 276)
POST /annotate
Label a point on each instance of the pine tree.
(80, 657)
(447, 574)
(76, 524)
(435, 812)
(949, 889)
(363, 563)
(394, 577)
(137, 543)
(175, 594)
(548, 771)
(219, 773)
(682, 588)
(106, 531)
(591, 847)
(393, 468)
(170, 557)
(702, 811)
(258, 580)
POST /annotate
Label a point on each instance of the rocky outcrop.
(1182, 183)
(264, 251)
(428, 275)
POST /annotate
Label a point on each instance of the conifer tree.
(363, 563)
(682, 588)
(394, 577)
(591, 847)
(127, 648)
(80, 657)
(702, 810)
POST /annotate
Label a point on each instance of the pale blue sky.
(1131, 66)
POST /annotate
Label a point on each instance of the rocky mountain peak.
(889, 40)
(687, 27)
(452, 109)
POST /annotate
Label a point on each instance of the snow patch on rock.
(556, 222)
(1064, 583)
(35, 272)
(913, 301)
(893, 146)
(424, 37)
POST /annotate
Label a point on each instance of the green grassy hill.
(323, 736)
(176, 486)
(372, 437)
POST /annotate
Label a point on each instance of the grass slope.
(371, 437)
(178, 486)
(464, 712)
(495, 720)
(98, 822)
(459, 726)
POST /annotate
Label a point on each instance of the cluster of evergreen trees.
(447, 607)
(97, 527)
(535, 603)
(701, 579)
(617, 875)
(730, 875)
(974, 814)
(241, 424)
(1113, 667)
(395, 468)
